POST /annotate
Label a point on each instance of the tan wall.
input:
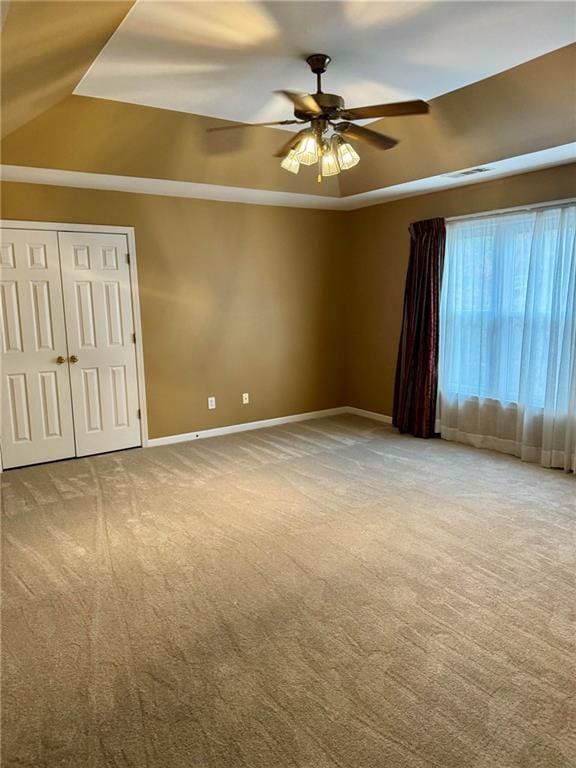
(235, 298)
(300, 308)
(376, 270)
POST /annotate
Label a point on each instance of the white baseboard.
(248, 426)
(369, 414)
(264, 423)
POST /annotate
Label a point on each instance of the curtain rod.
(503, 211)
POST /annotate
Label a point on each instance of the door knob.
(60, 360)
(73, 359)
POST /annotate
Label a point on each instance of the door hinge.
(139, 413)
(127, 258)
(133, 338)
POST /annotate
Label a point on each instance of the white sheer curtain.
(507, 367)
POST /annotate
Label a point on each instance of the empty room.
(288, 384)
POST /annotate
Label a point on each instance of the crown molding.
(164, 187)
(499, 169)
(546, 158)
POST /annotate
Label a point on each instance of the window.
(507, 307)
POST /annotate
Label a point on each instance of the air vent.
(468, 172)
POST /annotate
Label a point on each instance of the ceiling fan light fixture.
(329, 162)
(346, 154)
(291, 162)
(327, 114)
(307, 149)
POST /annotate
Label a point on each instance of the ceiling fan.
(327, 113)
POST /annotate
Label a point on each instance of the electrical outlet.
(245, 398)
(211, 403)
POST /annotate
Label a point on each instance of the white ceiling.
(226, 59)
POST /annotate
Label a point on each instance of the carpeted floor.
(326, 594)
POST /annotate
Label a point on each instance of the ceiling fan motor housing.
(330, 103)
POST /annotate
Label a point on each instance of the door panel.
(37, 421)
(100, 327)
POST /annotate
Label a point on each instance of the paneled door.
(37, 421)
(101, 342)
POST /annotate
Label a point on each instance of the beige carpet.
(320, 595)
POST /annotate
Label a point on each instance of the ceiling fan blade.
(303, 102)
(386, 110)
(252, 125)
(290, 144)
(359, 133)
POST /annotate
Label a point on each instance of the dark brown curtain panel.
(416, 382)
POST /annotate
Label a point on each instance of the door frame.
(131, 237)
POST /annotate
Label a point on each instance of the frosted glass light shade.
(291, 162)
(329, 162)
(346, 154)
(307, 149)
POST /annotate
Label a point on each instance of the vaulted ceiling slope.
(109, 137)
(47, 47)
(525, 109)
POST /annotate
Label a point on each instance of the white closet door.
(36, 406)
(102, 352)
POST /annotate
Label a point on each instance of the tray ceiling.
(226, 59)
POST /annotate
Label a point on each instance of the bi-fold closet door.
(69, 378)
